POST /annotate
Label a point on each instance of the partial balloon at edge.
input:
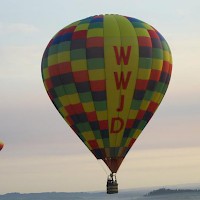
(1, 145)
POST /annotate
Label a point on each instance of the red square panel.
(78, 108)
(129, 123)
(66, 30)
(153, 34)
(48, 83)
(81, 76)
(131, 142)
(64, 67)
(155, 75)
(95, 42)
(70, 110)
(93, 144)
(99, 85)
(152, 107)
(50, 95)
(92, 116)
(103, 125)
(79, 35)
(53, 70)
(144, 41)
(69, 120)
(141, 84)
(140, 114)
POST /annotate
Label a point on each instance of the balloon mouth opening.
(113, 163)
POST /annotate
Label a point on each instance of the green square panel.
(135, 105)
(59, 91)
(132, 132)
(148, 95)
(100, 105)
(142, 124)
(84, 126)
(57, 103)
(160, 87)
(45, 63)
(138, 25)
(97, 134)
(64, 46)
(85, 97)
(106, 142)
(157, 53)
(96, 25)
(78, 54)
(145, 63)
(165, 46)
(70, 88)
(95, 63)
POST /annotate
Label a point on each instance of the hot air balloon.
(107, 75)
(1, 145)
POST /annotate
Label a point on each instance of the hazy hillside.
(136, 194)
(42, 196)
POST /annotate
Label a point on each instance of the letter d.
(117, 124)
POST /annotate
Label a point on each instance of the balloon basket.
(112, 185)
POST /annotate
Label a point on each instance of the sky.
(42, 154)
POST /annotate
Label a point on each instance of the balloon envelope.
(107, 75)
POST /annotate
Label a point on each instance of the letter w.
(122, 55)
(122, 81)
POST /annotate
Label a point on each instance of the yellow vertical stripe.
(111, 39)
(118, 33)
(128, 38)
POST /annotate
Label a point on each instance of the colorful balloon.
(107, 75)
(1, 145)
